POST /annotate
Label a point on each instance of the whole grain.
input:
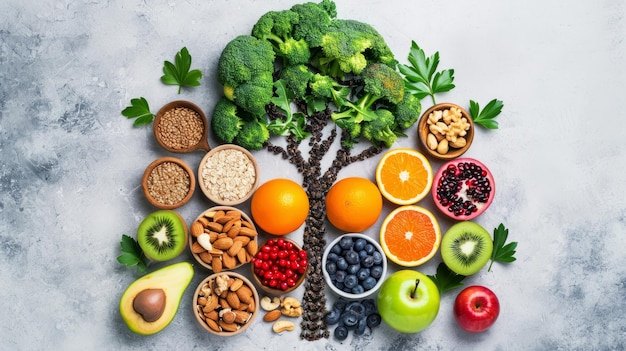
(180, 128)
(228, 175)
(168, 183)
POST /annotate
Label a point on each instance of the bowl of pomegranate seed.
(279, 266)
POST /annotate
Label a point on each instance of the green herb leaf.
(178, 73)
(132, 254)
(502, 252)
(486, 117)
(294, 123)
(445, 279)
(422, 78)
(140, 110)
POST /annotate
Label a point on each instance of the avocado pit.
(150, 304)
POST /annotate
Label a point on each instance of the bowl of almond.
(445, 131)
(223, 238)
(225, 303)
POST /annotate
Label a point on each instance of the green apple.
(408, 301)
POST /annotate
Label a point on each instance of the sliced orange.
(410, 235)
(404, 176)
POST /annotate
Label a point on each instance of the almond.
(272, 315)
(223, 219)
(229, 225)
(234, 248)
(229, 327)
(213, 325)
(245, 294)
(242, 256)
(196, 228)
(252, 247)
(238, 283)
(197, 248)
(234, 230)
(215, 227)
(223, 243)
(204, 221)
(216, 264)
(248, 232)
(229, 261)
(244, 239)
(241, 317)
(234, 213)
(206, 257)
(214, 315)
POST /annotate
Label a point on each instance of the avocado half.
(170, 281)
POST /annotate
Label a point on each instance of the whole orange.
(279, 206)
(353, 204)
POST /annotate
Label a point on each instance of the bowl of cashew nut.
(445, 131)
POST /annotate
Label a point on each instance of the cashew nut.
(204, 240)
(283, 325)
(291, 307)
(205, 290)
(221, 283)
(268, 303)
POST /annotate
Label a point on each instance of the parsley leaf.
(422, 78)
(486, 117)
(178, 73)
(445, 279)
(294, 123)
(140, 110)
(132, 254)
(502, 252)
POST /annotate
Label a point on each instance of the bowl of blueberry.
(354, 266)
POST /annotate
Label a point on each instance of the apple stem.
(414, 292)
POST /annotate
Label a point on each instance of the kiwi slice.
(466, 248)
(162, 235)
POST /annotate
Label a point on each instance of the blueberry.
(378, 257)
(368, 261)
(340, 276)
(336, 249)
(353, 269)
(369, 283)
(369, 305)
(342, 264)
(361, 326)
(356, 307)
(350, 281)
(363, 254)
(349, 319)
(332, 317)
(331, 267)
(359, 289)
(369, 248)
(346, 242)
(359, 244)
(341, 333)
(352, 257)
(340, 304)
(373, 320)
(363, 273)
(332, 257)
(339, 285)
(376, 272)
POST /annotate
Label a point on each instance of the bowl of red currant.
(279, 266)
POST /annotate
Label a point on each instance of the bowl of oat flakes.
(181, 126)
(228, 175)
(168, 183)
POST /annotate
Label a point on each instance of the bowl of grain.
(225, 304)
(181, 126)
(228, 175)
(445, 131)
(168, 183)
(223, 238)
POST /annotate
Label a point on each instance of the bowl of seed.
(445, 131)
(223, 238)
(168, 183)
(228, 175)
(226, 303)
(181, 126)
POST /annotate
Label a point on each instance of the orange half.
(410, 235)
(404, 176)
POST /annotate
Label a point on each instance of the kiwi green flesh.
(466, 248)
(162, 235)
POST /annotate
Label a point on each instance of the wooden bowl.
(181, 144)
(222, 168)
(220, 258)
(277, 291)
(423, 131)
(162, 202)
(216, 320)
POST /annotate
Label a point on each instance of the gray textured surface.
(70, 164)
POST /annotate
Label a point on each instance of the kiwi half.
(162, 235)
(466, 248)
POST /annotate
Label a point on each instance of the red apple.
(476, 308)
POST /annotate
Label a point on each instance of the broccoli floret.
(297, 79)
(252, 135)
(381, 82)
(245, 70)
(315, 19)
(349, 46)
(276, 27)
(406, 112)
(353, 131)
(225, 122)
(379, 129)
(326, 88)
